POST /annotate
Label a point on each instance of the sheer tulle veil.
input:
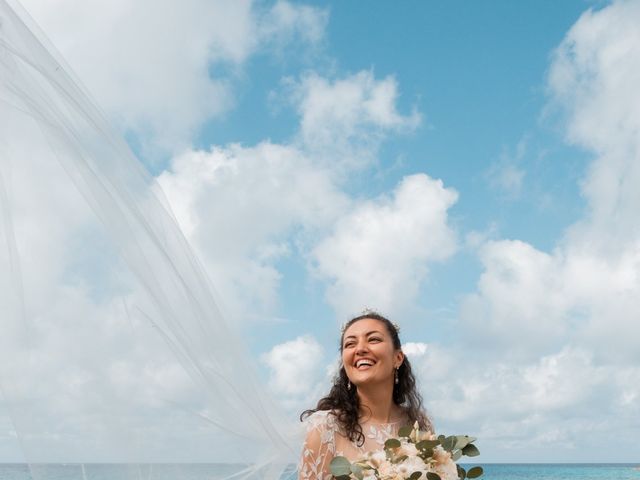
(113, 346)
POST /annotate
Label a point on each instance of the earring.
(396, 377)
(348, 384)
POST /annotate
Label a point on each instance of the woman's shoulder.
(325, 419)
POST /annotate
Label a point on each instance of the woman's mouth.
(364, 364)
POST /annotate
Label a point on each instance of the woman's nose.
(361, 347)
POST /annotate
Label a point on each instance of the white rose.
(378, 458)
(387, 470)
(408, 449)
(414, 464)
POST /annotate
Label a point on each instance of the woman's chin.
(366, 380)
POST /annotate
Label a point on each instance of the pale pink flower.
(444, 464)
(426, 435)
(408, 449)
(377, 458)
(414, 464)
(418, 435)
(440, 455)
(446, 470)
(387, 470)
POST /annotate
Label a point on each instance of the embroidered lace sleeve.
(319, 447)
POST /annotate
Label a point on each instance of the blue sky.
(477, 75)
(467, 168)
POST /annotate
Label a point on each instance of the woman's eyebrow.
(366, 334)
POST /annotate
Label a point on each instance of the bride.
(373, 395)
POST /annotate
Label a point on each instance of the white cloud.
(593, 79)
(506, 174)
(294, 365)
(286, 20)
(161, 68)
(547, 407)
(588, 286)
(379, 252)
(343, 121)
(242, 208)
(551, 331)
(414, 349)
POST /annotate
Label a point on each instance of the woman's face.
(368, 354)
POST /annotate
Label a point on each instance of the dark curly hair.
(345, 404)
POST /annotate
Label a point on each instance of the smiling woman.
(373, 395)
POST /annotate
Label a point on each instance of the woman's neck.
(376, 404)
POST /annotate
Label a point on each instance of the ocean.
(497, 471)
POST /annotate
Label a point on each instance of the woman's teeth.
(364, 364)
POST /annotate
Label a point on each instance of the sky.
(468, 169)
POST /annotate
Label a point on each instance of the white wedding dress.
(325, 440)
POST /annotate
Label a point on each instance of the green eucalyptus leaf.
(462, 473)
(456, 454)
(441, 438)
(405, 431)
(357, 471)
(471, 451)
(433, 476)
(449, 443)
(392, 443)
(426, 454)
(463, 440)
(399, 459)
(415, 476)
(340, 467)
(427, 444)
(475, 472)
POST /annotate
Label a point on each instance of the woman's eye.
(375, 340)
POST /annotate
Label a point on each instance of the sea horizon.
(219, 471)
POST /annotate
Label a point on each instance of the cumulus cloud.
(590, 282)
(285, 21)
(294, 365)
(241, 207)
(414, 349)
(559, 406)
(343, 121)
(551, 330)
(245, 208)
(378, 253)
(162, 68)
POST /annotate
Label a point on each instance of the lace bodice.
(325, 440)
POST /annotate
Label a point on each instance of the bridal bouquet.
(415, 455)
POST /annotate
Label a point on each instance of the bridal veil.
(107, 316)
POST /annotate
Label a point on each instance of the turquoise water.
(558, 471)
(497, 471)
